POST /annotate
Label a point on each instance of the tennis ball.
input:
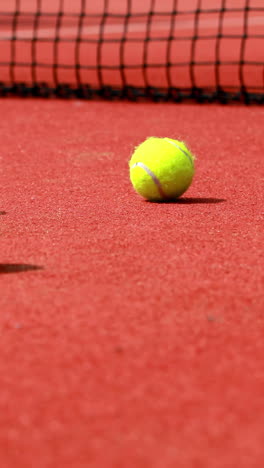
(161, 169)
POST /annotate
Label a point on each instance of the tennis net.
(160, 49)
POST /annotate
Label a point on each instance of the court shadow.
(8, 268)
(191, 201)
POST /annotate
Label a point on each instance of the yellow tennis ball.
(161, 169)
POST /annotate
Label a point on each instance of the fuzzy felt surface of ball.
(161, 169)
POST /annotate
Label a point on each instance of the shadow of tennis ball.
(191, 201)
(197, 200)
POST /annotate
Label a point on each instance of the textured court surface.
(131, 332)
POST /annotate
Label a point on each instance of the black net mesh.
(158, 49)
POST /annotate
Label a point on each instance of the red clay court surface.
(131, 332)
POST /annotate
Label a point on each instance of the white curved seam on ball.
(182, 150)
(153, 177)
